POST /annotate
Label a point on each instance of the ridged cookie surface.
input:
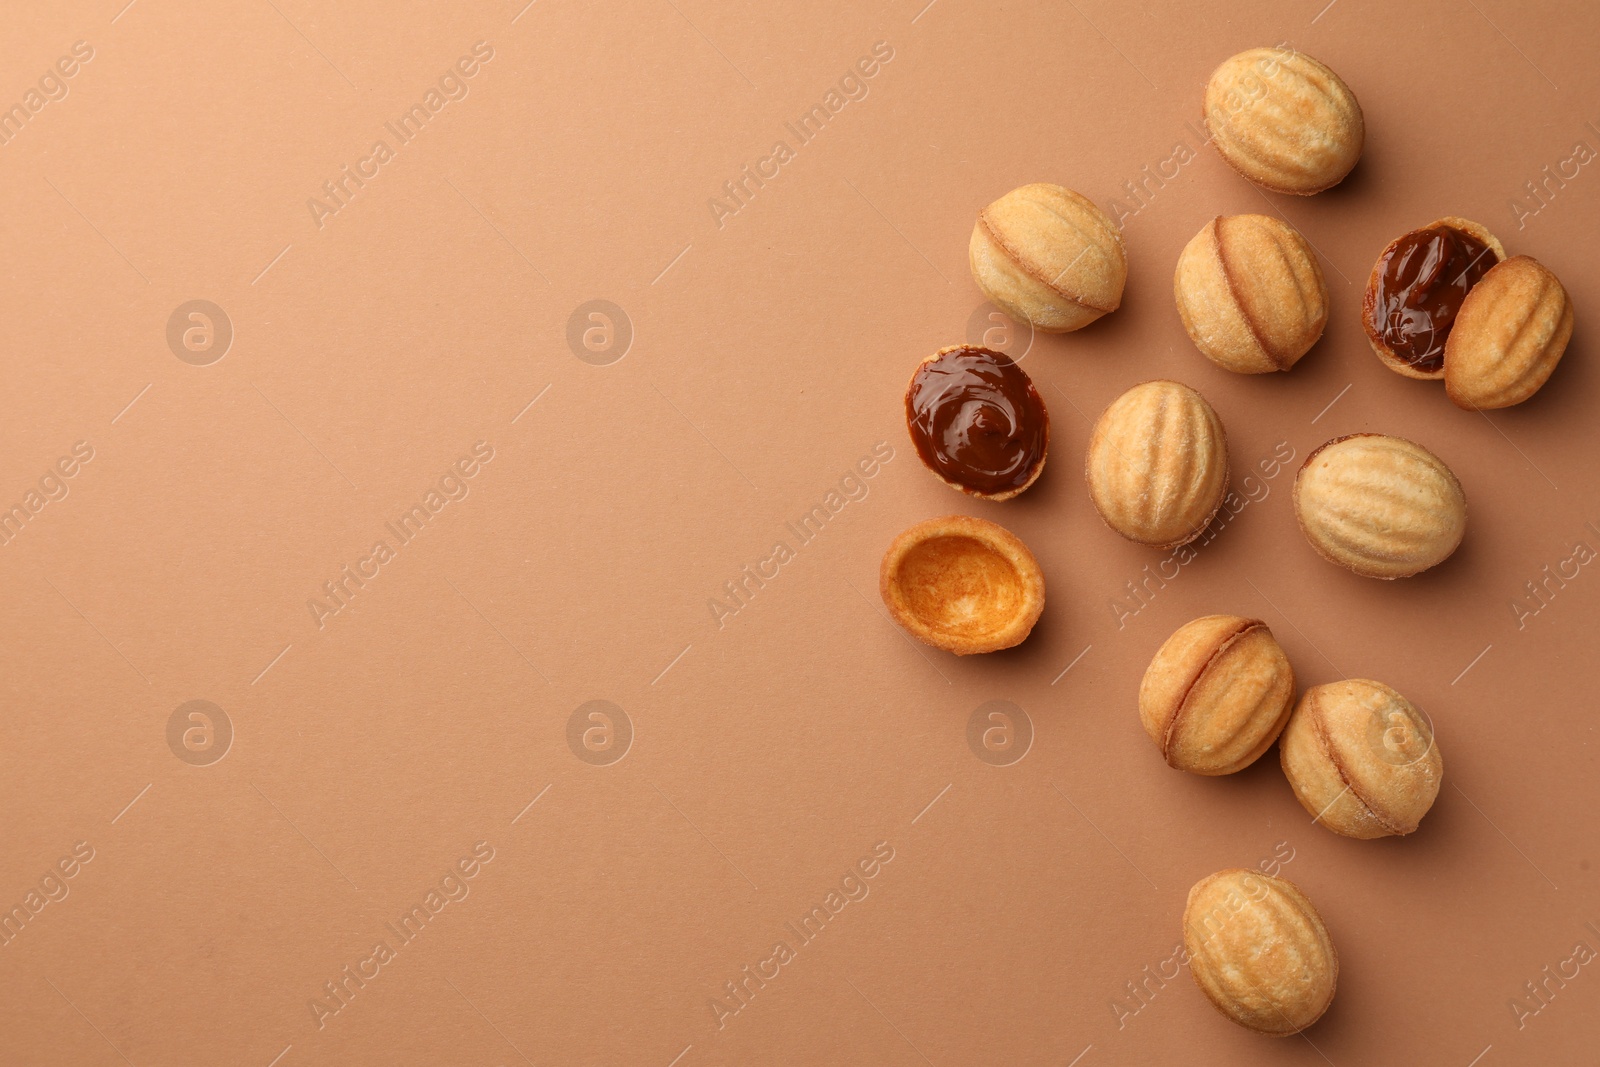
(1157, 464)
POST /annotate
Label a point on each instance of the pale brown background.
(769, 356)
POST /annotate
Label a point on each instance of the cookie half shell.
(1259, 951)
(962, 584)
(1421, 308)
(1511, 332)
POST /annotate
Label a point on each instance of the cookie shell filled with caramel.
(1417, 288)
(962, 584)
(977, 422)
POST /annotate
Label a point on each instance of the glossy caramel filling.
(976, 420)
(1422, 280)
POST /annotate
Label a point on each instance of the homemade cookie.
(1510, 333)
(977, 422)
(1217, 694)
(1362, 759)
(1250, 293)
(962, 584)
(1417, 288)
(1382, 506)
(1157, 464)
(1046, 255)
(1284, 120)
(1259, 951)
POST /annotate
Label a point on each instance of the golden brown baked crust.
(1382, 506)
(962, 584)
(1157, 464)
(1510, 333)
(1362, 759)
(1259, 951)
(1217, 694)
(1369, 319)
(1048, 256)
(1284, 120)
(1250, 293)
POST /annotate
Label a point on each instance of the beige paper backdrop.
(523, 347)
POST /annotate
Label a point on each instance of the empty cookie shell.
(962, 584)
